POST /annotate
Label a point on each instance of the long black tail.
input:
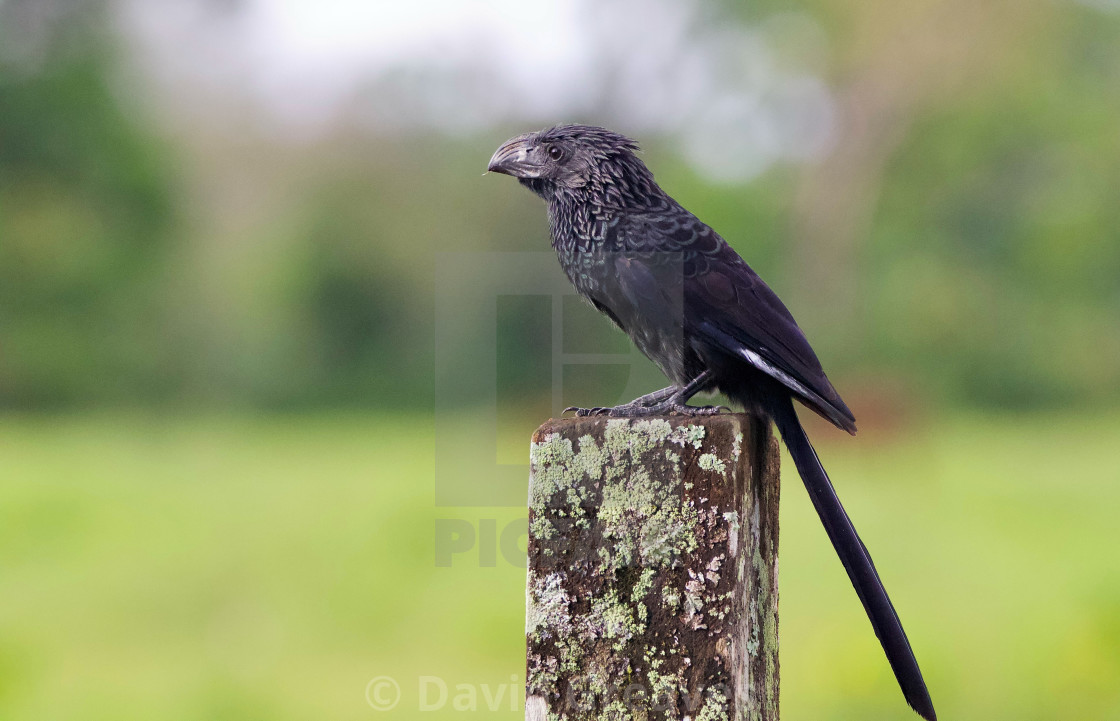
(856, 560)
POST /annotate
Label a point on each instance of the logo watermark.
(383, 693)
(469, 290)
(433, 693)
(462, 541)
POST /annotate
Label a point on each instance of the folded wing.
(730, 308)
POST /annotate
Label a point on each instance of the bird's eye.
(555, 152)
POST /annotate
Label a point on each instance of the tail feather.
(857, 562)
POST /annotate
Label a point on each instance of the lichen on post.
(652, 583)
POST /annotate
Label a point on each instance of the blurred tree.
(962, 232)
(997, 246)
(84, 208)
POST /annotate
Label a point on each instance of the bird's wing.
(730, 307)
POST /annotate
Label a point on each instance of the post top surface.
(585, 424)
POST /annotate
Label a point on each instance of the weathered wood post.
(653, 557)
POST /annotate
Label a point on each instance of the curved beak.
(512, 158)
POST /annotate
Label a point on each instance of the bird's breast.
(589, 270)
(655, 328)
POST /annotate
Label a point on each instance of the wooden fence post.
(653, 556)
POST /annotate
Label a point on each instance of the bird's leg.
(651, 398)
(671, 400)
(678, 402)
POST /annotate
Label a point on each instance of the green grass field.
(247, 568)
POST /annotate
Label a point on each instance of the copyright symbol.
(383, 693)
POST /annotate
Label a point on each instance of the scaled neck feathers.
(618, 184)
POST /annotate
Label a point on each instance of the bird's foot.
(665, 402)
(637, 410)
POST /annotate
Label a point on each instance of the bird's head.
(567, 157)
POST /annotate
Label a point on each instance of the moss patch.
(634, 533)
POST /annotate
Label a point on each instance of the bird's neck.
(575, 222)
(623, 182)
(581, 216)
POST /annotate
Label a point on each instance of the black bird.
(694, 307)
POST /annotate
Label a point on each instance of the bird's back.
(684, 296)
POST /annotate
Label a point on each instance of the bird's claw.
(582, 412)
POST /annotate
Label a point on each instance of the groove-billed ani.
(694, 307)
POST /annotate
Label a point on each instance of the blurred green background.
(219, 224)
